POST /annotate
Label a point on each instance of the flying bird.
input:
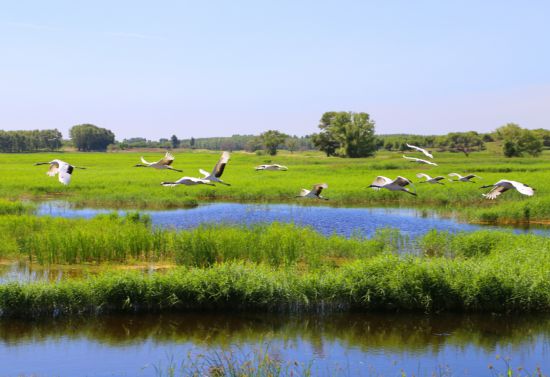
(463, 179)
(217, 171)
(188, 181)
(420, 160)
(398, 184)
(272, 167)
(314, 193)
(63, 169)
(164, 163)
(426, 153)
(430, 179)
(504, 185)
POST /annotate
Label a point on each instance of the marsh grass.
(110, 180)
(233, 362)
(128, 238)
(495, 283)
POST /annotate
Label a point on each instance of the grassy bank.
(112, 181)
(503, 283)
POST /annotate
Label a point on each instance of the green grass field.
(111, 181)
(276, 266)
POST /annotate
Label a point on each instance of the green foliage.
(30, 141)
(517, 140)
(346, 134)
(513, 280)
(271, 140)
(87, 137)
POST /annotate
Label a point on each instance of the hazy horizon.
(216, 69)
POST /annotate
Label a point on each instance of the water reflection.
(385, 343)
(327, 220)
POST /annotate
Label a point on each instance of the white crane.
(217, 171)
(188, 181)
(63, 169)
(504, 185)
(398, 184)
(163, 163)
(463, 179)
(271, 167)
(426, 153)
(434, 180)
(314, 193)
(419, 160)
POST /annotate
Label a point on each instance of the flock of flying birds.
(64, 171)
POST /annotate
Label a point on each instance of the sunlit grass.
(112, 181)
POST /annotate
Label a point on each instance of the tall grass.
(112, 238)
(15, 207)
(110, 180)
(501, 282)
(120, 239)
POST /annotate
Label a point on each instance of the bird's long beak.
(41, 163)
(486, 186)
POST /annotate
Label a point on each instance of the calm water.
(341, 344)
(356, 345)
(327, 220)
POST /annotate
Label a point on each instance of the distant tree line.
(342, 134)
(30, 141)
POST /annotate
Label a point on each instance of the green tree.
(175, 141)
(271, 140)
(292, 144)
(517, 141)
(346, 134)
(465, 142)
(87, 137)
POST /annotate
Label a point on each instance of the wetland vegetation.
(110, 181)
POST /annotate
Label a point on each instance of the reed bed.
(113, 238)
(503, 282)
(112, 181)
(131, 238)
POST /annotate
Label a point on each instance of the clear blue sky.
(216, 68)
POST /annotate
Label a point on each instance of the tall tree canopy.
(87, 137)
(346, 134)
(271, 140)
(517, 141)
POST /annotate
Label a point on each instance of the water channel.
(344, 344)
(359, 344)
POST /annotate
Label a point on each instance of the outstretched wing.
(495, 192)
(522, 188)
(410, 158)
(426, 153)
(401, 181)
(144, 161)
(167, 159)
(454, 175)
(318, 188)
(220, 166)
(470, 176)
(380, 181)
(204, 173)
(420, 175)
(54, 168)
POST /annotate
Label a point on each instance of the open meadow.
(111, 181)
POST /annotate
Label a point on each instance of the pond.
(345, 344)
(343, 221)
